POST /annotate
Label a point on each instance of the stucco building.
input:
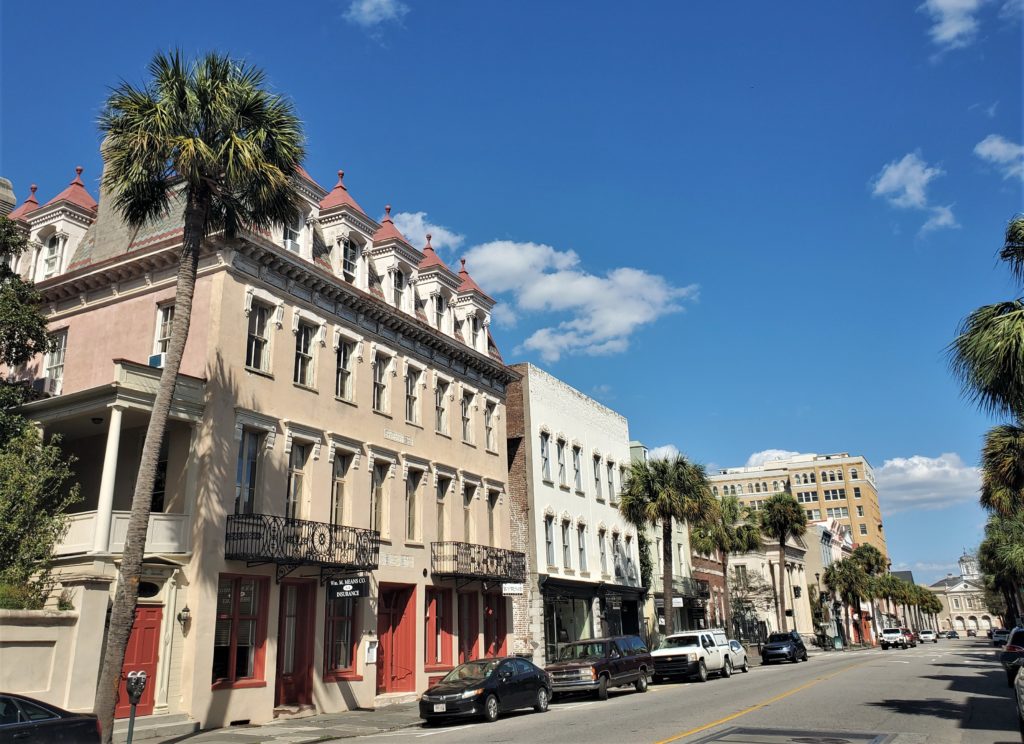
(761, 567)
(963, 599)
(568, 455)
(339, 418)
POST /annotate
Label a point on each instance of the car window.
(614, 651)
(779, 638)
(8, 712)
(734, 645)
(523, 667)
(680, 641)
(35, 712)
(1017, 639)
(581, 651)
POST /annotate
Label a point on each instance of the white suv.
(893, 637)
(929, 635)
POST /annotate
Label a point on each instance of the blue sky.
(744, 229)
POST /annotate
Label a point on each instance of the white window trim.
(340, 332)
(246, 419)
(266, 298)
(301, 315)
(160, 306)
(348, 446)
(306, 434)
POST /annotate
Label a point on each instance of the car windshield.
(681, 641)
(473, 670)
(780, 638)
(581, 651)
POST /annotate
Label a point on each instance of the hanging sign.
(352, 586)
(511, 589)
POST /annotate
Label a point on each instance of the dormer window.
(349, 259)
(440, 309)
(293, 235)
(51, 259)
(474, 332)
(399, 289)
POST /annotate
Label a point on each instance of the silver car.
(738, 656)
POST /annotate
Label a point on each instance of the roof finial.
(341, 177)
(429, 236)
(463, 263)
(33, 189)
(387, 212)
(78, 174)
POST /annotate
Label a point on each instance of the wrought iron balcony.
(268, 538)
(684, 586)
(480, 562)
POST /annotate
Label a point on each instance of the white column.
(191, 481)
(105, 507)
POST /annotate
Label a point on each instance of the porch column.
(105, 507)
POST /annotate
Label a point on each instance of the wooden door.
(494, 626)
(469, 627)
(294, 684)
(396, 634)
(141, 655)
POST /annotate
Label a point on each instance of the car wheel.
(543, 700)
(727, 669)
(702, 671)
(602, 689)
(1011, 675)
(746, 665)
(491, 709)
(657, 680)
(805, 656)
(641, 683)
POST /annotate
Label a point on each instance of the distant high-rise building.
(838, 486)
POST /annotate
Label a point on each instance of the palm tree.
(658, 491)
(875, 564)
(782, 518)
(846, 578)
(730, 531)
(1001, 555)
(1002, 469)
(204, 138)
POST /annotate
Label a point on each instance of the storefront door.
(396, 633)
(295, 644)
(495, 629)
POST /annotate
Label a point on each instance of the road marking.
(897, 661)
(758, 706)
(442, 731)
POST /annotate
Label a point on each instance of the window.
(560, 454)
(412, 400)
(246, 471)
(956, 603)
(807, 497)
(492, 522)
(617, 555)
(257, 347)
(549, 539)
(293, 498)
(853, 473)
(566, 549)
(293, 235)
(474, 330)
(714, 490)
(597, 476)
(611, 480)
(741, 576)
(441, 407)
(239, 635)
(856, 492)
(344, 372)
(440, 309)
(545, 456)
(838, 512)
(489, 426)
(53, 362)
(341, 465)
(377, 494)
(863, 529)
(303, 373)
(577, 468)
(437, 628)
(757, 488)
(681, 550)
(839, 474)
(860, 511)
(812, 478)
(467, 417)
(814, 515)
(412, 484)
(835, 494)
(602, 550)
(775, 489)
(349, 259)
(739, 489)
(468, 493)
(381, 366)
(442, 490)
(581, 541)
(51, 259)
(164, 321)
(340, 644)
(399, 295)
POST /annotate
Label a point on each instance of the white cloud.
(601, 312)
(954, 22)
(664, 452)
(1006, 155)
(1012, 10)
(991, 110)
(921, 482)
(504, 316)
(942, 217)
(768, 455)
(370, 13)
(415, 227)
(904, 182)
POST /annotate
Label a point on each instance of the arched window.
(813, 478)
(764, 486)
(831, 475)
(739, 488)
(757, 488)
(775, 486)
(839, 474)
(853, 473)
(714, 490)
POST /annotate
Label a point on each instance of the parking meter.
(135, 685)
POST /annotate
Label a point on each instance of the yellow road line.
(760, 705)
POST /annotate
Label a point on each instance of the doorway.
(294, 685)
(396, 634)
(141, 655)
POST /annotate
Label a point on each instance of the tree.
(874, 564)
(730, 531)
(782, 519)
(846, 579)
(1002, 469)
(1001, 558)
(22, 326)
(205, 138)
(658, 491)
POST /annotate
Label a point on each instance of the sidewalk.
(312, 729)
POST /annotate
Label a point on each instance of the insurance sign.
(352, 586)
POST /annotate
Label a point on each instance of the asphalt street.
(953, 691)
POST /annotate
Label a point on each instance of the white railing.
(168, 533)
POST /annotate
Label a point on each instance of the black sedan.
(784, 647)
(487, 687)
(27, 721)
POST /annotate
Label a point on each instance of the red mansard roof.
(27, 207)
(468, 285)
(339, 196)
(430, 257)
(76, 194)
(387, 230)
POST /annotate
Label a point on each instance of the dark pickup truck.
(600, 663)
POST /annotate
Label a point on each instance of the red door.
(141, 656)
(495, 632)
(396, 634)
(294, 644)
(469, 628)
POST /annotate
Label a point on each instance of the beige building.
(789, 579)
(838, 486)
(963, 599)
(339, 423)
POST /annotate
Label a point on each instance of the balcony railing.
(480, 562)
(267, 538)
(685, 586)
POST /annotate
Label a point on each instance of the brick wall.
(519, 499)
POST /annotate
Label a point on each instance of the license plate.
(439, 707)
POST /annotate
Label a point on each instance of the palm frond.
(1013, 247)
(987, 357)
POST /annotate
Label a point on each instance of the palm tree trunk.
(666, 574)
(727, 619)
(122, 614)
(847, 630)
(782, 586)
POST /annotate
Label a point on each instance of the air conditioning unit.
(157, 360)
(47, 385)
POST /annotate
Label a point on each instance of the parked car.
(1000, 636)
(909, 635)
(695, 654)
(784, 647)
(893, 637)
(738, 656)
(972, 633)
(1018, 694)
(929, 635)
(29, 721)
(1012, 653)
(596, 665)
(952, 634)
(487, 687)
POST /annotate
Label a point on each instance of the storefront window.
(566, 619)
(340, 644)
(239, 634)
